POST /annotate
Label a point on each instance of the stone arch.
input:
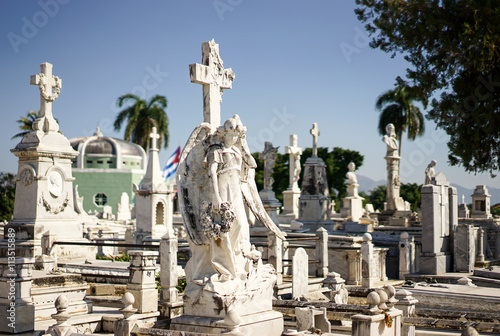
(160, 213)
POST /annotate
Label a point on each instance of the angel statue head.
(231, 131)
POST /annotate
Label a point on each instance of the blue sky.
(295, 62)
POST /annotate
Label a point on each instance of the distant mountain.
(367, 184)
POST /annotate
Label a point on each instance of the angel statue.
(215, 182)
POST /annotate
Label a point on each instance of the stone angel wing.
(193, 183)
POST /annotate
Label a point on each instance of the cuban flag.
(171, 166)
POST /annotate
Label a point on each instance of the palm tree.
(26, 124)
(397, 107)
(141, 116)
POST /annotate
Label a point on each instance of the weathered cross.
(294, 152)
(46, 82)
(269, 156)
(315, 134)
(154, 138)
(214, 78)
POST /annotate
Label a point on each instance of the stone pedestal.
(375, 325)
(367, 262)
(17, 312)
(394, 201)
(464, 248)
(314, 201)
(406, 255)
(291, 203)
(170, 302)
(406, 303)
(271, 204)
(353, 204)
(142, 283)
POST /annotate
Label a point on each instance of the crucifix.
(154, 139)
(269, 156)
(214, 78)
(294, 152)
(315, 134)
(50, 86)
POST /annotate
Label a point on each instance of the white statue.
(216, 179)
(391, 141)
(351, 176)
(430, 172)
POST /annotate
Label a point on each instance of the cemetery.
(212, 254)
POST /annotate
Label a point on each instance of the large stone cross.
(154, 138)
(214, 78)
(315, 134)
(269, 156)
(50, 86)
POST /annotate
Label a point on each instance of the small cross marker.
(46, 82)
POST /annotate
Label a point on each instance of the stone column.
(142, 280)
(17, 312)
(405, 252)
(480, 246)
(354, 263)
(170, 302)
(322, 252)
(392, 198)
(406, 304)
(382, 264)
(367, 255)
(275, 255)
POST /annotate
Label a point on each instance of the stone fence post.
(406, 255)
(367, 256)
(142, 283)
(322, 252)
(275, 255)
(62, 326)
(170, 302)
(17, 311)
(124, 326)
(406, 304)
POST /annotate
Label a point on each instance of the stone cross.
(50, 86)
(294, 152)
(269, 156)
(315, 134)
(154, 138)
(214, 78)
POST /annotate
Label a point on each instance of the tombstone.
(353, 203)
(439, 221)
(463, 210)
(300, 273)
(464, 248)
(228, 288)
(153, 198)
(394, 201)
(481, 202)
(44, 189)
(271, 204)
(292, 194)
(123, 208)
(314, 201)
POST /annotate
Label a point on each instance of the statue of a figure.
(216, 179)
(351, 176)
(430, 172)
(269, 156)
(391, 141)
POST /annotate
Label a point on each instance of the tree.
(7, 195)
(26, 123)
(453, 48)
(396, 107)
(141, 116)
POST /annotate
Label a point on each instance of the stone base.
(269, 323)
(169, 310)
(291, 202)
(312, 226)
(357, 227)
(398, 221)
(368, 325)
(287, 217)
(434, 263)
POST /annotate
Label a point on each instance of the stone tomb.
(439, 221)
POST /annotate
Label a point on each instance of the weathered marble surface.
(394, 201)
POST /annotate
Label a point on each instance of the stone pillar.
(142, 280)
(275, 255)
(367, 255)
(406, 303)
(322, 252)
(354, 262)
(62, 326)
(406, 250)
(17, 312)
(464, 255)
(170, 302)
(382, 264)
(124, 326)
(497, 242)
(377, 322)
(394, 201)
(480, 247)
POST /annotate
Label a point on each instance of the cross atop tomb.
(154, 139)
(214, 78)
(50, 86)
(315, 134)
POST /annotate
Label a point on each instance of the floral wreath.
(210, 217)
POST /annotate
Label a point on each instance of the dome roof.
(102, 145)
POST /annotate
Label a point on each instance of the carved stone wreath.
(27, 176)
(55, 209)
(57, 89)
(216, 224)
